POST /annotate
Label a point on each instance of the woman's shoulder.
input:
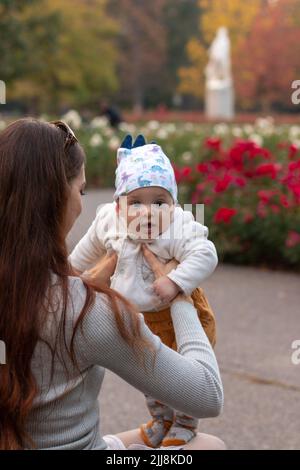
(78, 288)
(77, 291)
(97, 325)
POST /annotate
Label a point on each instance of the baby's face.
(148, 211)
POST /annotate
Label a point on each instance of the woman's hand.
(160, 270)
(101, 273)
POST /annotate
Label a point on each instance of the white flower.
(237, 131)
(221, 129)
(153, 125)
(294, 132)
(162, 133)
(296, 143)
(187, 157)
(96, 140)
(127, 128)
(264, 123)
(189, 126)
(72, 118)
(265, 126)
(99, 122)
(171, 128)
(248, 129)
(108, 132)
(257, 139)
(114, 143)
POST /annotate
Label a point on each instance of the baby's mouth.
(149, 228)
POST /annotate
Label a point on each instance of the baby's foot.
(178, 435)
(154, 431)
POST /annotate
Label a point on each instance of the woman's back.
(65, 413)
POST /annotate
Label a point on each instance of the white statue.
(219, 84)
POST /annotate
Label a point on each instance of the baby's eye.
(135, 203)
(159, 203)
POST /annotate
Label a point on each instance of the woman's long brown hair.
(35, 177)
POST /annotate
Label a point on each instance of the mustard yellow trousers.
(160, 323)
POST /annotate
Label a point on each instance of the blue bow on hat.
(140, 141)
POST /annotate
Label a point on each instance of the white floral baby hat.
(141, 165)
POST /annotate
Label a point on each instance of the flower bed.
(248, 177)
(252, 200)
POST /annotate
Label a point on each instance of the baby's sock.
(154, 431)
(181, 432)
(162, 417)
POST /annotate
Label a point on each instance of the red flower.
(224, 214)
(261, 210)
(222, 184)
(293, 239)
(293, 150)
(293, 166)
(186, 171)
(213, 143)
(202, 167)
(284, 201)
(248, 218)
(200, 187)
(268, 169)
(241, 182)
(296, 191)
(195, 197)
(207, 201)
(182, 173)
(275, 209)
(265, 195)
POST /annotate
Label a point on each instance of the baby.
(146, 210)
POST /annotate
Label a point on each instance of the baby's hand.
(165, 289)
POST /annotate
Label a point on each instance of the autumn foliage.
(265, 39)
(267, 61)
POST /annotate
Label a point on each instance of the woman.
(59, 332)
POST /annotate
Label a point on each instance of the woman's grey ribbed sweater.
(66, 414)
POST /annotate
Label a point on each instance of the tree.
(237, 15)
(142, 45)
(268, 59)
(180, 18)
(73, 63)
(20, 35)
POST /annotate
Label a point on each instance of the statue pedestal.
(219, 102)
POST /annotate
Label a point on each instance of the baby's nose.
(146, 211)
